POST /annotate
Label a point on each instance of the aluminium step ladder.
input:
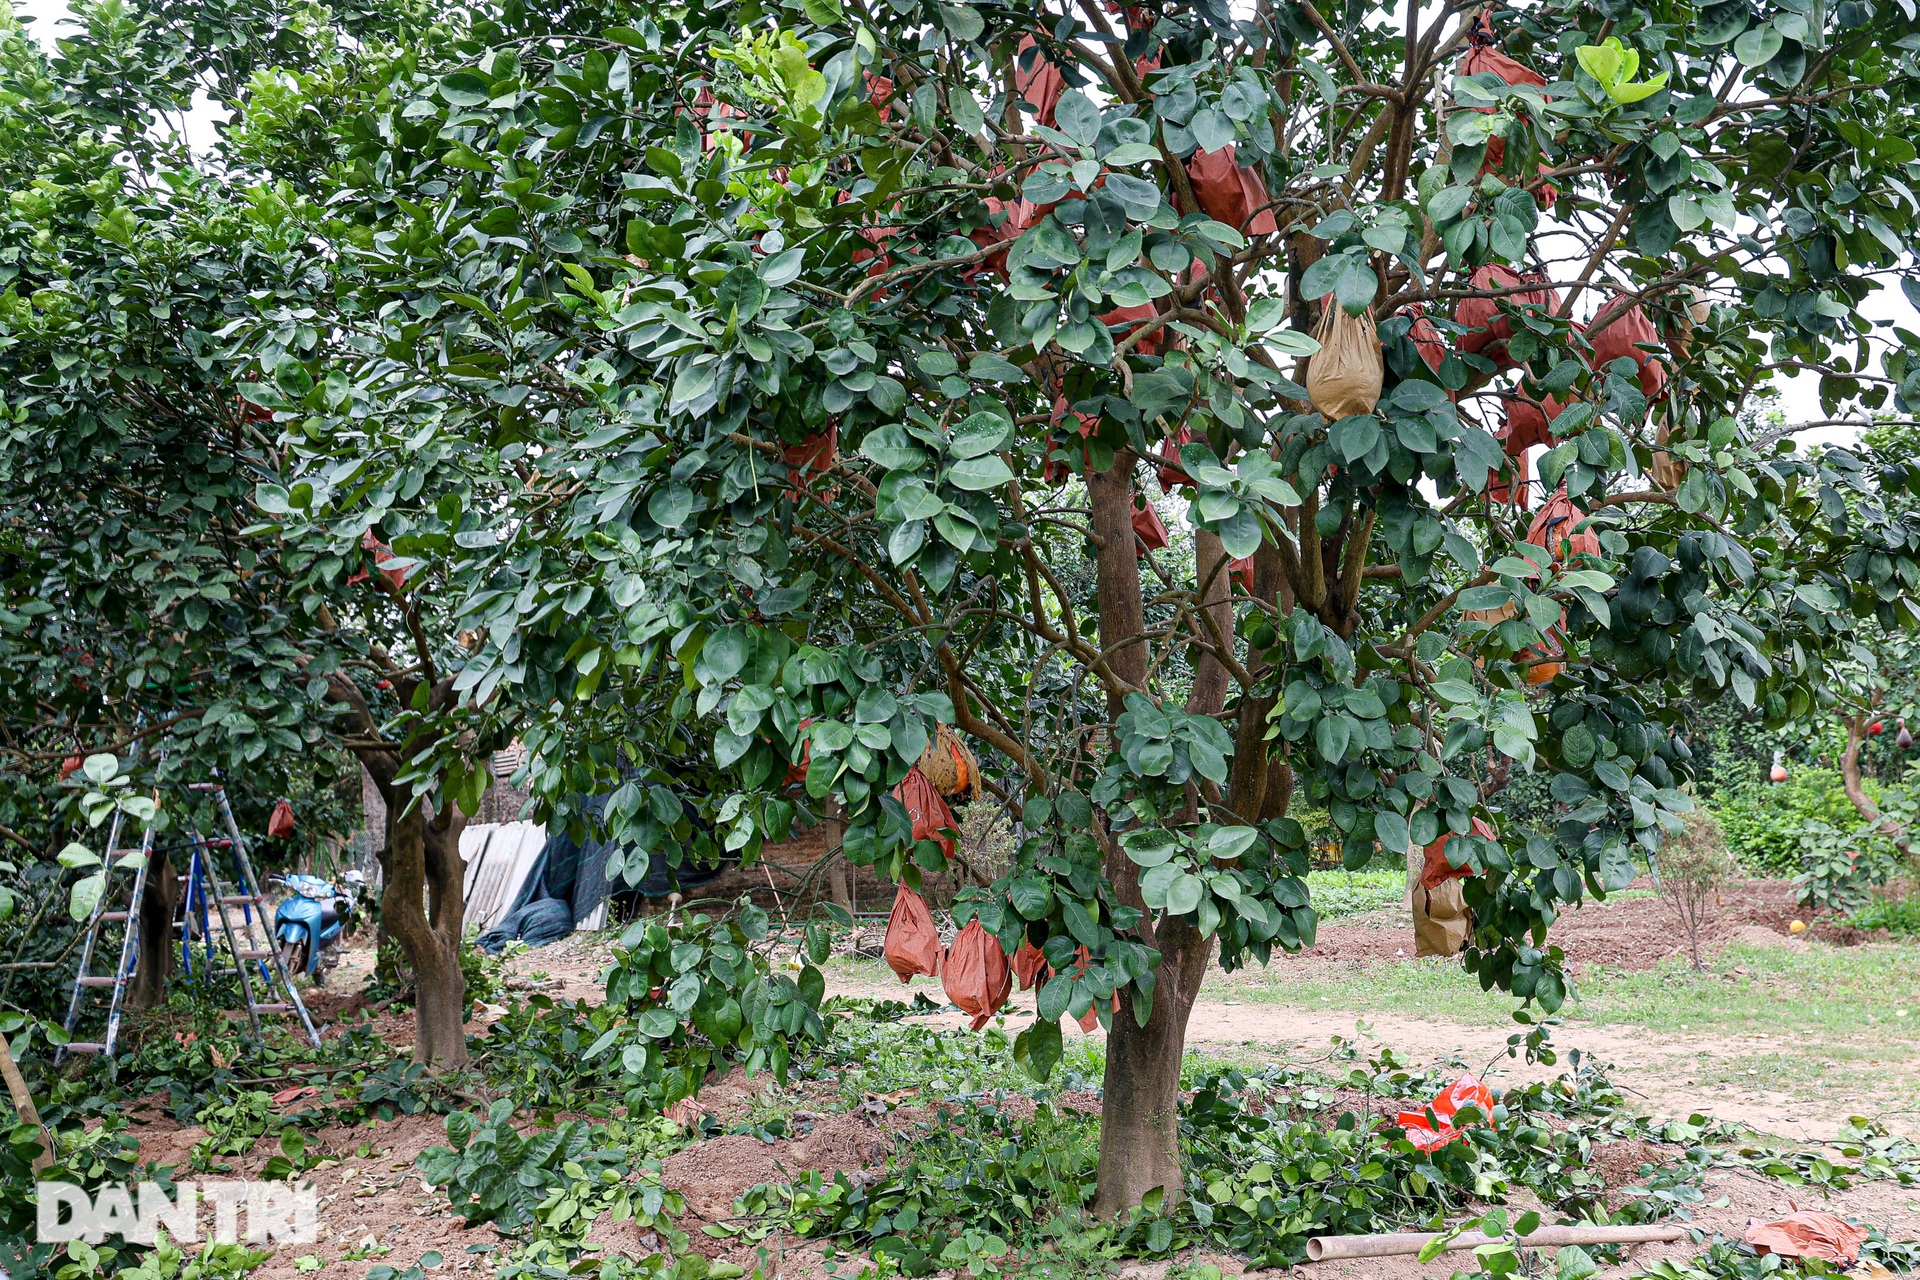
(256, 962)
(128, 918)
(206, 902)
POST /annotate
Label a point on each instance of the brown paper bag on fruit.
(1345, 375)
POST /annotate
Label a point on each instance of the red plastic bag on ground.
(1614, 337)
(1808, 1233)
(1030, 966)
(912, 944)
(1466, 1091)
(1231, 192)
(925, 807)
(1149, 529)
(280, 825)
(976, 976)
(1438, 870)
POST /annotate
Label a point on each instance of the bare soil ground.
(375, 1208)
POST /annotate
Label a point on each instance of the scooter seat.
(329, 917)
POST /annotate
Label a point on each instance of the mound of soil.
(1629, 933)
(712, 1174)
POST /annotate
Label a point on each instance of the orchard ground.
(1784, 1036)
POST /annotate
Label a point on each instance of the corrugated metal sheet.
(498, 856)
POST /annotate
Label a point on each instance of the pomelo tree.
(140, 611)
(774, 380)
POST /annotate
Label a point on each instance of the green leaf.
(466, 89)
(1184, 894)
(906, 540)
(86, 895)
(1038, 1048)
(1756, 46)
(1572, 1262)
(1149, 848)
(1212, 129)
(670, 507)
(976, 475)
(892, 448)
(782, 268)
(1031, 895)
(979, 434)
(78, 855)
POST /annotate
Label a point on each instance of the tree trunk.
(148, 987)
(424, 867)
(1123, 619)
(1140, 1114)
(1210, 676)
(385, 971)
(832, 832)
(1855, 786)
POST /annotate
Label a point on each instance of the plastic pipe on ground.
(1328, 1248)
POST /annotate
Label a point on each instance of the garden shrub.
(1763, 822)
(684, 1000)
(1694, 867)
(1841, 866)
(1895, 915)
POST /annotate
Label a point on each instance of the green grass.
(1827, 991)
(1350, 893)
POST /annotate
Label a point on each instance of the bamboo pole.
(1398, 1243)
(23, 1103)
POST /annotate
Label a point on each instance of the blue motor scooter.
(310, 923)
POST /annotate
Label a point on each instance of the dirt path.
(1248, 1016)
(1660, 1074)
(375, 1207)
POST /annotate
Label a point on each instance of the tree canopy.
(763, 383)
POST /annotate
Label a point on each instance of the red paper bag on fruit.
(931, 818)
(912, 945)
(1030, 966)
(1437, 870)
(976, 976)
